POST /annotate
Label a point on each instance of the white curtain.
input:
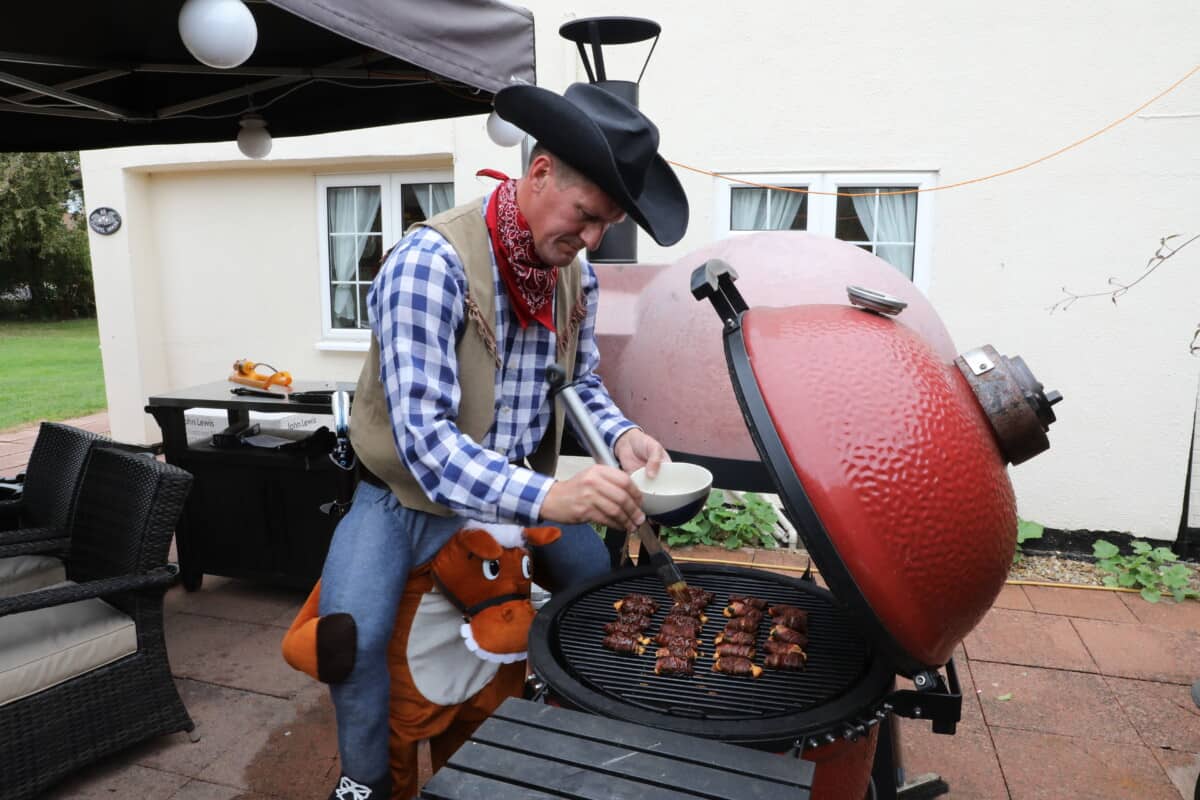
(352, 209)
(897, 223)
(753, 209)
(441, 195)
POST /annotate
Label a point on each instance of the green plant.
(1026, 530)
(1156, 570)
(735, 521)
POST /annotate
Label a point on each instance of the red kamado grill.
(890, 460)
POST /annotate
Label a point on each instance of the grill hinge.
(935, 698)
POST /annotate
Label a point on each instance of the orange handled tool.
(244, 372)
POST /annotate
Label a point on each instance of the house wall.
(217, 259)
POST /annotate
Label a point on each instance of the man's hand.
(634, 449)
(600, 494)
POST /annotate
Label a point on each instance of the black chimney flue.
(619, 245)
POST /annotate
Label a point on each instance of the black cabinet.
(253, 512)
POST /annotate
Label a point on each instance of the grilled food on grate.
(734, 665)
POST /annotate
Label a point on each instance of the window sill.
(344, 345)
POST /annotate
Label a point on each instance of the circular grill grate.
(838, 658)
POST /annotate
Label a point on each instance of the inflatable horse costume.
(458, 649)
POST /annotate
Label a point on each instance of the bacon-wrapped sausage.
(672, 665)
(738, 650)
(627, 624)
(625, 643)
(745, 599)
(680, 648)
(776, 646)
(738, 611)
(789, 660)
(749, 624)
(682, 626)
(636, 604)
(780, 609)
(732, 665)
(698, 596)
(734, 637)
(687, 608)
(675, 639)
(797, 622)
(784, 634)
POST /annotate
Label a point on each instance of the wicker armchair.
(50, 484)
(117, 572)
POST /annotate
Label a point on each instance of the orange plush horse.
(458, 649)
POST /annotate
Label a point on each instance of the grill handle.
(581, 421)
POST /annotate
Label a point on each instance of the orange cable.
(1008, 171)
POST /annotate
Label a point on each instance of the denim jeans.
(374, 547)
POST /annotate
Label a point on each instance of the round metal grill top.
(841, 685)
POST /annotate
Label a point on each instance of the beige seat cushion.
(39, 649)
(20, 574)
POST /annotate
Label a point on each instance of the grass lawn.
(49, 371)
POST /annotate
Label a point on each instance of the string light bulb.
(218, 33)
(503, 132)
(253, 139)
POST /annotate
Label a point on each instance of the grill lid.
(884, 460)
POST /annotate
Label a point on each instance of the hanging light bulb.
(503, 132)
(253, 139)
(218, 33)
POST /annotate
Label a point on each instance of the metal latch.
(871, 300)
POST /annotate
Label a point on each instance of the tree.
(43, 240)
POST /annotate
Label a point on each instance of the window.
(878, 218)
(360, 217)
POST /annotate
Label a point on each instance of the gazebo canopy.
(78, 74)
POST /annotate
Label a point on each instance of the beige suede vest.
(478, 361)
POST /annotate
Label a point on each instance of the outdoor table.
(253, 512)
(531, 751)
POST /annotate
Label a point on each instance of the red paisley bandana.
(530, 283)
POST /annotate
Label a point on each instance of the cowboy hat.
(611, 143)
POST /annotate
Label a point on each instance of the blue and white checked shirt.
(416, 311)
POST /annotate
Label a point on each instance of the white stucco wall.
(217, 259)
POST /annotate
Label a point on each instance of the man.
(466, 313)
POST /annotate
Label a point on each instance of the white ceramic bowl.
(676, 494)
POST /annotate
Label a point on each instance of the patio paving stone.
(203, 790)
(1038, 697)
(1163, 713)
(1139, 651)
(1087, 603)
(224, 718)
(243, 601)
(1013, 597)
(1165, 613)
(966, 761)
(116, 778)
(1040, 766)
(1035, 640)
(292, 754)
(228, 653)
(1182, 768)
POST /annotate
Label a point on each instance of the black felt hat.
(611, 142)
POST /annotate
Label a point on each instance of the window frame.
(821, 212)
(391, 186)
